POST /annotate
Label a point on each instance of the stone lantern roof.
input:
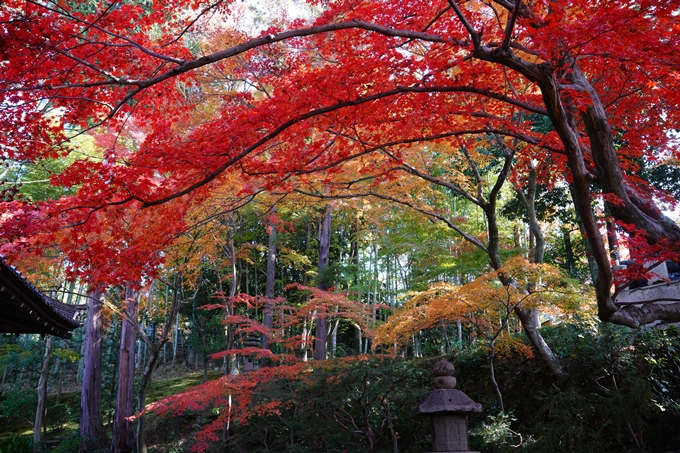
(444, 401)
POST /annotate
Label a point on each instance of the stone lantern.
(448, 409)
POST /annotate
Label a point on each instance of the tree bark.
(123, 433)
(528, 199)
(267, 317)
(232, 367)
(91, 425)
(323, 283)
(568, 251)
(538, 342)
(42, 395)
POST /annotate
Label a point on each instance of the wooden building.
(24, 309)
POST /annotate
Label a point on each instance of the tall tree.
(42, 395)
(267, 316)
(92, 431)
(323, 283)
(123, 433)
(363, 82)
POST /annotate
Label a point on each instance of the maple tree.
(362, 84)
(487, 304)
(362, 401)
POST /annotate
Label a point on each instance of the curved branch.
(429, 178)
(321, 111)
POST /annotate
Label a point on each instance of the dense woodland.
(307, 202)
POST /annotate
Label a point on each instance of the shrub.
(58, 417)
(69, 445)
(20, 405)
(16, 444)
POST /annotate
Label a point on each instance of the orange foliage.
(486, 300)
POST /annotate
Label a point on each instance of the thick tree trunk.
(528, 199)
(42, 395)
(613, 242)
(630, 207)
(537, 341)
(537, 252)
(323, 283)
(91, 425)
(569, 251)
(267, 317)
(123, 434)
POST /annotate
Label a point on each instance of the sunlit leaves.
(486, 300)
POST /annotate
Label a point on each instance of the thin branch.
(476, 40)
(426, 212)
(400, 90)
(511, 24)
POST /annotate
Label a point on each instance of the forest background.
(264, 188)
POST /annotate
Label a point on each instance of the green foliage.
(20, 404)
(65, 355)
(550, 204)
(565, 249)
(357, 404)
(16, 444)
(58, 416)
(620, 396)
(22, 355)
(665, 176)
(497, 435)
(69, 445)
(354, 401)
(658, 359)
(623, 395)
(31, 180)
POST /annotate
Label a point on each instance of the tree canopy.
(402, 101)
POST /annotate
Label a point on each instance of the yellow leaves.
(418, 313)
(511, 346)
(530, 285)
(294, 259)
(488, 301)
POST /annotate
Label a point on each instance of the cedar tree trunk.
(323, 283)
(123, 434)
(91, 425)
(42, 395)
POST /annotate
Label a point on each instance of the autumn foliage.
(362, 403)
(486, 303)
(405, 76)
(190, 115)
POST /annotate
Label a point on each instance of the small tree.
(488, 304)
